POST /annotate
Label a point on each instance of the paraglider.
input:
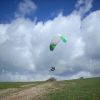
(52, 69)
(56, 39)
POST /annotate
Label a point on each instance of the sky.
(27, 28)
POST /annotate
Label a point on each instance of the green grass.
(6, 85)
(80, 89)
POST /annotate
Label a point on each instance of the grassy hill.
(79, 89)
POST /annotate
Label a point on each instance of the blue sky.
(46, 9)
(28, 26)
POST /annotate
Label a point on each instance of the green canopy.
(56, 39)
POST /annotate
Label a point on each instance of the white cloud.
(78, 51)
(83, 6)
(3, 33)
(91, 34)
(26, 7)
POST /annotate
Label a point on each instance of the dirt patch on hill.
(31, 93)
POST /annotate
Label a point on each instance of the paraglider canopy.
(56, 39)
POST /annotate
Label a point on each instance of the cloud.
(83, 6)
(81, 74)
(24, 46)
(27, 7)
(91, 35)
